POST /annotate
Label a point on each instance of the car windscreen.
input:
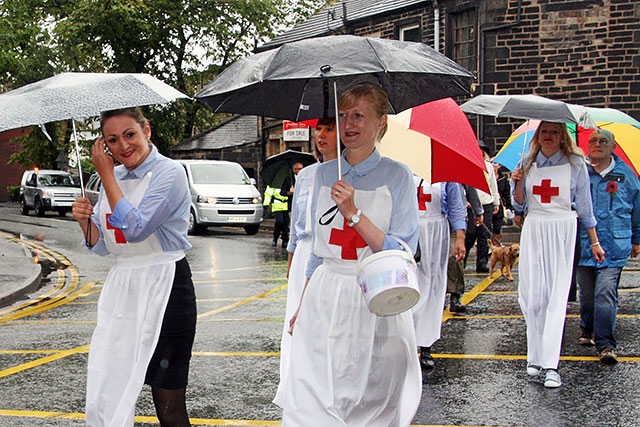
(219, 174)
(55, 180)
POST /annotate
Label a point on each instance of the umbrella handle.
(335, 99)
(75, 140)
(524, 144)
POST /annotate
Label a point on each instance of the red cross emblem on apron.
(545, 191)
(118, 233)
(349, 239)
(423, 199)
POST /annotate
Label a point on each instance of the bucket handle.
(404, 245)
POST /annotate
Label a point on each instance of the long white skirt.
(432, 280)
(348, 366)
(296, 281)
(546, 262)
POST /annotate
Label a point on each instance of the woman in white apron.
(299, 246)
(348, 366)
(147, 311)
(552, 188)
(438, 204)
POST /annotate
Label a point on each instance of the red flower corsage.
(612, 187)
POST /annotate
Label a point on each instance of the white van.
(222, 194)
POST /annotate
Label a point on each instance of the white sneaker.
(552, 379)
(533, 370)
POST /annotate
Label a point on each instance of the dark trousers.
(281, 226)
(480, 235)
(455, 270)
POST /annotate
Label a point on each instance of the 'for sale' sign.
(295, 131)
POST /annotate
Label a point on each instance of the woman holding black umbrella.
(349, 366)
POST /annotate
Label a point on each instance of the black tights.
(171, 407)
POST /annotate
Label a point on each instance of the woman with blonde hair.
(348, 366)
(551, 186)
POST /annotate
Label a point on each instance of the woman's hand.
(82, 209)
(342, 193)
(102, 161)
(517, 175)
(292, 321)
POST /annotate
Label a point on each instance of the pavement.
(20, 275)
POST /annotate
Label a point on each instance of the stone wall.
(584, 52)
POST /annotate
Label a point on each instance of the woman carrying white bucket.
(349, 366)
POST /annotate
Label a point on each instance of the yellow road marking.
(247, 279)
(43, 360)
(154, 420)
(255, 267)
(243, 302)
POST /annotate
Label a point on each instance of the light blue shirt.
(300, 204)
(580, 186)
(453, 205)
(373, 172)
(163, 210)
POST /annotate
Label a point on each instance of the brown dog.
(506, 257)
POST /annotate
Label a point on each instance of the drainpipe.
(482, 56)
(436, 26)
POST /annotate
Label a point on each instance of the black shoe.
(426, 360)
(482, 268)
(455, 305)
(274, 242)
(284, 244)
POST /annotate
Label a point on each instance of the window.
(463, 29)
(410, 33)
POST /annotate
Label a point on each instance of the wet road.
(240, 283)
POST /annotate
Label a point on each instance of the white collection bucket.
(388, 281)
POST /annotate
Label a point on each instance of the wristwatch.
(355, 218)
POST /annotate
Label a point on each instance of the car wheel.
(39, 208)
(194, 227)
(24, 209)
(252, 229)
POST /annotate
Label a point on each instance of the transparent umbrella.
(80, 95)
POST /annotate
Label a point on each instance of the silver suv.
(47, 190)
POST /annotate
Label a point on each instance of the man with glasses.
(615, 194)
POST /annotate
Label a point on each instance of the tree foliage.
(185, 43)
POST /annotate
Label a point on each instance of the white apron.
(432, 268)
(546, 261)
(130, 312)
(297, 277)
(348, 366)
(294, 292)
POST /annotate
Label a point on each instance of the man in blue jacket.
(615, 194)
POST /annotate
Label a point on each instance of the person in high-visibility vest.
(280, 210)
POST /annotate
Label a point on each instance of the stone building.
(584, 52)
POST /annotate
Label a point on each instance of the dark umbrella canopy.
(295, 81)
(277, 167)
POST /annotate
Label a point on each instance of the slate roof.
(329, 21)
(238, 130)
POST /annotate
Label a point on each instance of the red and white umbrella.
(437, 142)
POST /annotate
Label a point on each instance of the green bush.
(14, 192)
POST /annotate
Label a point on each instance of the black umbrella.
(296, 81)
(277, 167)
